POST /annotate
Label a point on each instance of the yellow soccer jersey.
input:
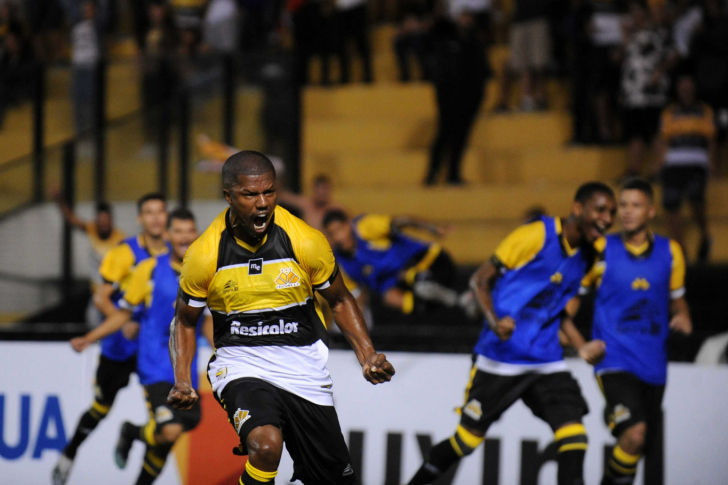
(117, 265)
(99, 248)
(266, 319)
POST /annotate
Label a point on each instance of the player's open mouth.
(599, 230)
(260, 221)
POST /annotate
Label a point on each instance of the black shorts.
(556, 398)
(163, 414)
(642, 123)
(111, 377)
(630, 400)
(311, 432)
(680, 182)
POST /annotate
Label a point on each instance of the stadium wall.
(45, 387)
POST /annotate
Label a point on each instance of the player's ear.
(227, 195)
(577, 209)
(651, 211)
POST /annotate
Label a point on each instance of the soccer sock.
(145, 433)
(444, 454)
(573, 443)
(621, 469)
(253, 476)
(86, 425)
(154, 459)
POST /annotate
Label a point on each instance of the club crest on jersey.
(473, 409)
(557, 278)
(240, 417)
(640, 284)
(287, 279)
(230, 287)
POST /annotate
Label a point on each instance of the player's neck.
(570, 230)
(154, 244)
(636, 238)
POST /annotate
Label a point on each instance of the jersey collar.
(642, 251)
(242, 243)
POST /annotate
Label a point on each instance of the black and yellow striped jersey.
(688, 131)
(260, 296)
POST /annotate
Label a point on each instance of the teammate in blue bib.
(152, 289)
(373, 250)
(639, 283)
(522, 292)
(118, 353)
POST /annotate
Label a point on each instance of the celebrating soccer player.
(522, 292)
(256, 268)
(639, 283)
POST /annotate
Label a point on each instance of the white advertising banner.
(45, 387)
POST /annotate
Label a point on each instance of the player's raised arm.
(182, 348)
(348, 317)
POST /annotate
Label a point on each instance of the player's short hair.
(590, 189)
(639, 184)
(103, 207)
(181, 214)
(247, 162)
(147, 197)
(335, 215)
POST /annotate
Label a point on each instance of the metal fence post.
(69, 191)
(99, 132)
(228, 80)
(184, 146)
(39, 134)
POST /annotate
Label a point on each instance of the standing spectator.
(648, 56)
(221, 31)
(46, 21)
(352, 23)
(709, 49)
(607, 34)
(578, 26)
(314, 32)
(688, 155)
(17, 69)
(530, 46)
(85, 59)
(481, 11)
(413, 37)
(460, 71)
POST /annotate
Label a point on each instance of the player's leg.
(556, 398)
(111, 376)
(165, 426)
(256, 411)
(624, 394)
(695, 192)
(672, 191)
(313, 438)
(487, 396)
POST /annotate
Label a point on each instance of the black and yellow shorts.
(556, 398)
(164, 414)
(311, 432)
(111, 377)
(630, 400)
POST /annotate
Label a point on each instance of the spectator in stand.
(413, 38)
(18, 69)
(530, 52)
(607, 37)
(86, 54)
(352, 23)
(709, 50)
(481, 10)
(578, 27)
(648, 57)
(221, 28)
(688, 17)
(460, 70)
(46, 19)
(159, 70)
(688, 153)
(314, 33)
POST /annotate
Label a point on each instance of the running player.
(257, 267)
(118, 354)
(375, 253)
(522, 291)
(640, 296)
(153, 286)
(102, 236)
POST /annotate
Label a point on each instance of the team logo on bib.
(287, 279)
(240, 417)
(557, 278)
(640, 284)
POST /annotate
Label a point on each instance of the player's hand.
(377, 369)
(593, 352)
(505, 328)
(681, 323)
(182, 396)
(79, 343)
